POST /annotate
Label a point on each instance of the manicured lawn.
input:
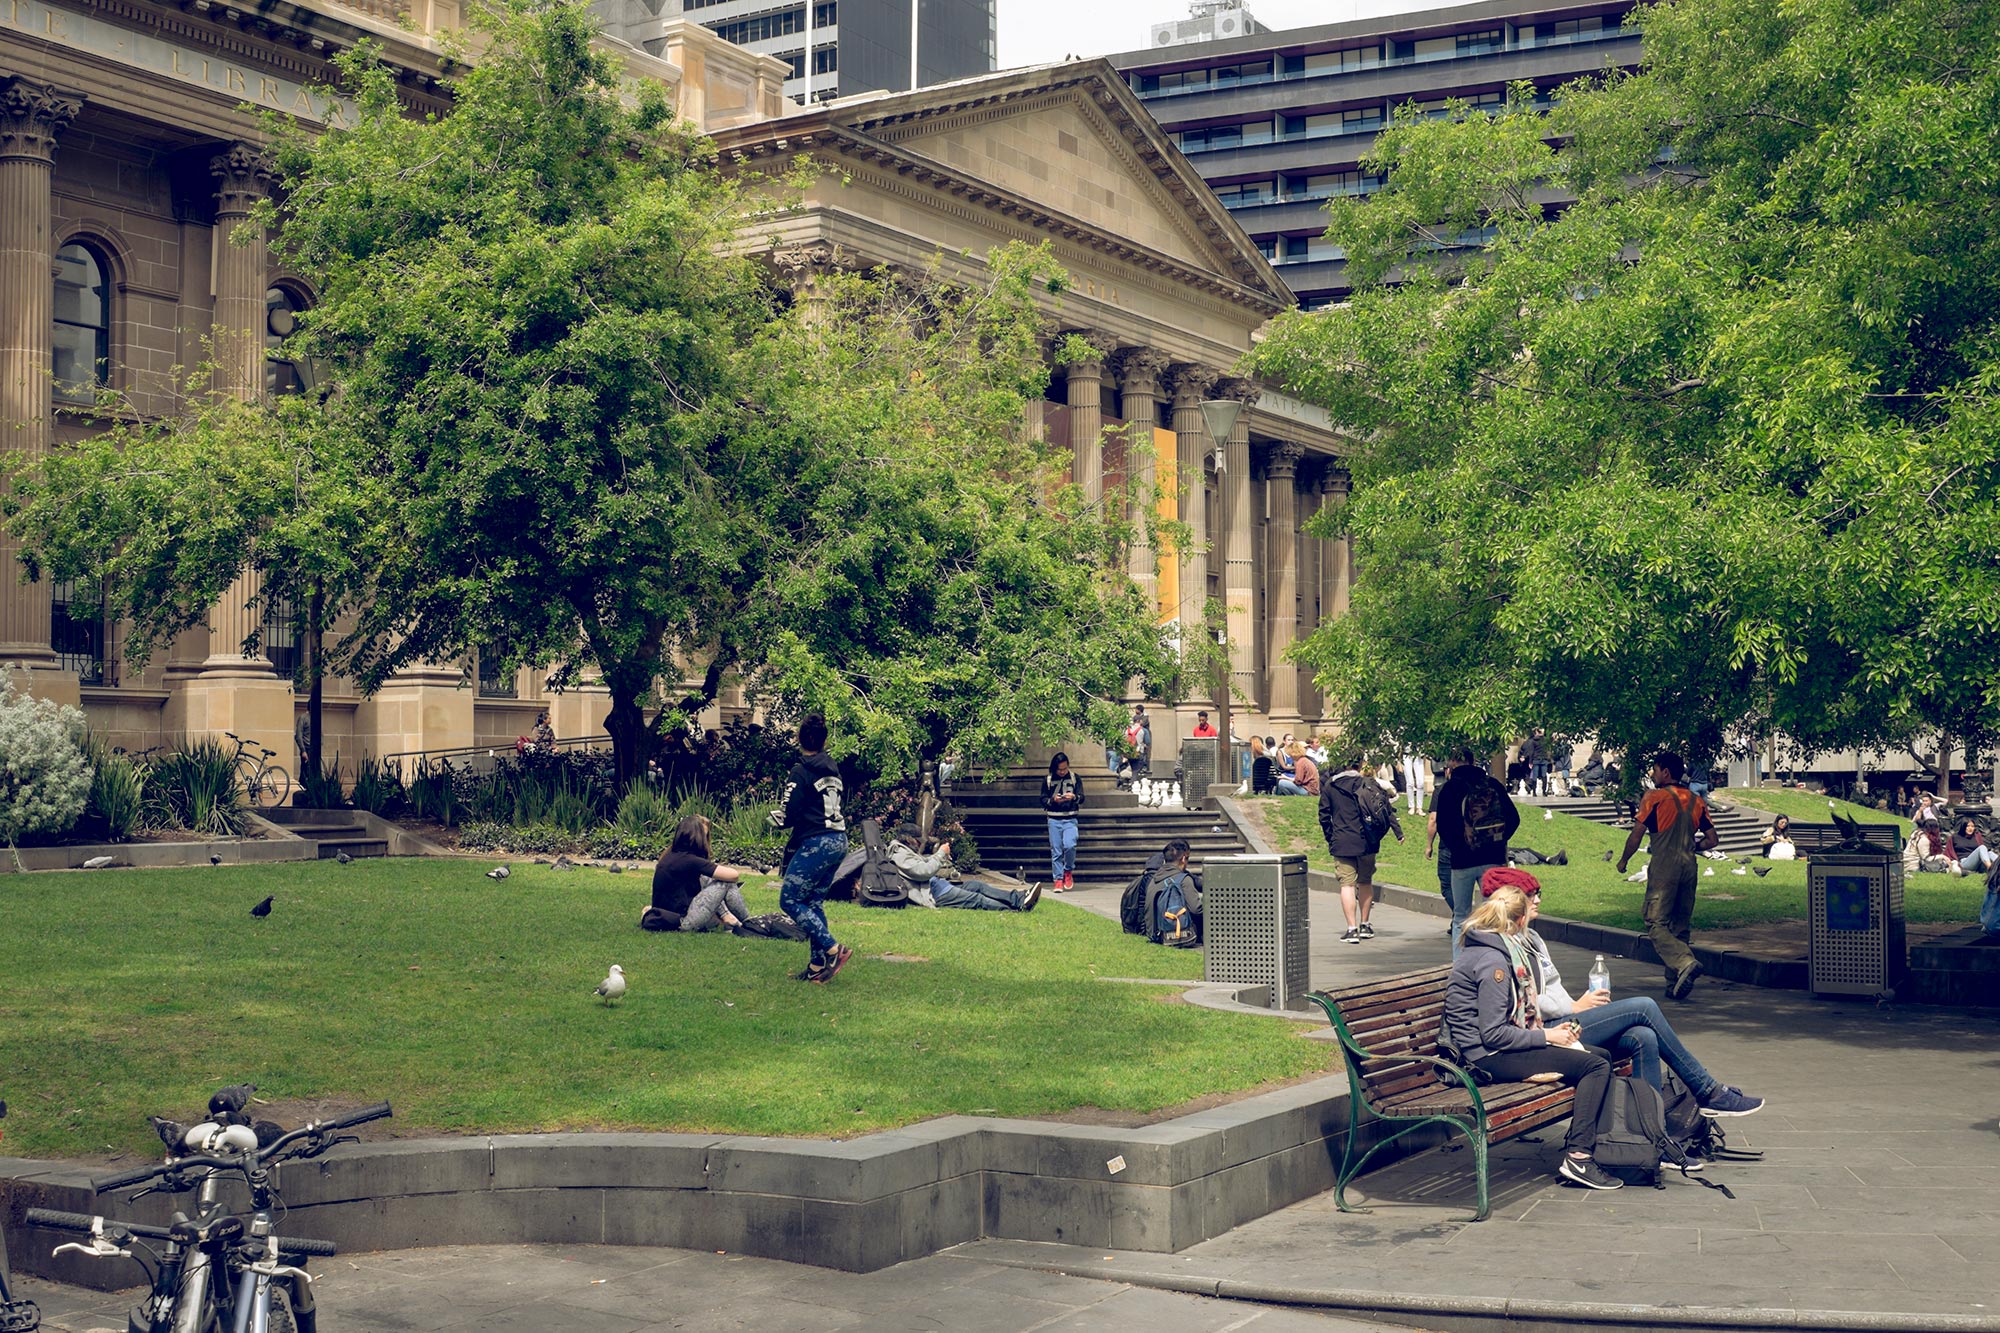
(468, 1004)
(1589, 889)
(1803, 806)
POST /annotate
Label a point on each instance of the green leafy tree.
(1713, 450)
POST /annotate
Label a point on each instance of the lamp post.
(1219, 415)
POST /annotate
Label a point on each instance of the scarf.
(1527, 982)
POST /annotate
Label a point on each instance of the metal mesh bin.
(1253, 925)
(1855, 900)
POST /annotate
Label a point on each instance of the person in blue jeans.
(1062, 797)
(1633, 1027)
(810, 808)
(925, 875)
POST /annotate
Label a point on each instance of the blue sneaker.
(1724, 1100)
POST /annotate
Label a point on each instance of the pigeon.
(1760, 871)
(215, 858)
(498, 872)
(344, 859)
(171, 1132)
(1608, 854)
(97, 862)
(615, 868)
(564, 863)
(231, 1099)
(1850, 832)
(262, 909)
(612, 986)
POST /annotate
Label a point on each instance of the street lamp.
(1220, 416)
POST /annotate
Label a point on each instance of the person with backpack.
(1476, 817)
(1632, 1027)
(1062, 797)
(1494, 1023)
(1139, 740)
(1354, 815)
(928, 886)
(1173, 912)
(810, 809)
(1681, 828)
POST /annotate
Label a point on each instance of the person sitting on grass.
(1633, 1026)
(1968, 850)
(1493, 1019)
(1927, 851)
(929, 887)
(1304, 777)
(690, 891)
(1777, 840)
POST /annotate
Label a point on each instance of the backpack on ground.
(1176, 911)
(769, 926)
(1699, 1135)
(1132, 903)
(1633, 1142)
(882, 885)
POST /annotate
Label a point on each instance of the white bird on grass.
(612, 986)
(1548, 814)
(97, 862)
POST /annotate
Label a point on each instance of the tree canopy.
(569, 421)
(1698, 435)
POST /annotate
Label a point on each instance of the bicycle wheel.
(274, 787)
(281, 1312)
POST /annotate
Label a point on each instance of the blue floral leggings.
(807, 879)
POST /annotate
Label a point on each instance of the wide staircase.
(1114, 836)
(1737, 829)
(330, 831)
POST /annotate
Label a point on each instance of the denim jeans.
(1287, 787)
(808, 876)
(1978, 861)
(1464, 892)
(1989, 913)
(975, 894)
(1062, 847)
(1637, 1028)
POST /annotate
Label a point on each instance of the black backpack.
(882, 885)
(1699, 1135)
(1483, 813)
(1132, 904)
(1376, 808)
(1633, 1140)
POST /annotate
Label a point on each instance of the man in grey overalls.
(1678, 820)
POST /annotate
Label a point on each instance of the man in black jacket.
(1354, 814)
(1476, 817)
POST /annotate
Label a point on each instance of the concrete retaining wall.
(276, 844)
(858, 1205)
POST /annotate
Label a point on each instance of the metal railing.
(475, 758)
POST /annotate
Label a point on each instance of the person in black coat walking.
(1354, 815)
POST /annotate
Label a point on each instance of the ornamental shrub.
(44, 777)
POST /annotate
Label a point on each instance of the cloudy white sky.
(1035, 32)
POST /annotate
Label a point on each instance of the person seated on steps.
(930, 888)
(691, 892)
(1633, 1026)
(1493, 1020)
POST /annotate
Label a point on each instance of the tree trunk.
(315, 681)
(631, 738)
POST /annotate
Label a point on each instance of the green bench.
(1388, 1033)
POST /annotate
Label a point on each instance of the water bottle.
(1600, 975)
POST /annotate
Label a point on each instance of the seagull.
(498, 872)
(1740, 870)
(1548, 813)
(1709, 871)
(612, 986)
(97, 862)
(344, 859)
(1636, 876)
(215, 858)
(262, 909)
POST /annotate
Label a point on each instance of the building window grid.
(781, 24)
(495, 682)
(77, 641)
(82, 334)
(281, 637)
(1611, 28)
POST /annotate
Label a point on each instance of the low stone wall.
(277, 844)
(858, 1205)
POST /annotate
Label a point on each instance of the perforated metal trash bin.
(1253, 925)
(1856, 904)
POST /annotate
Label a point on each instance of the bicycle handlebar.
(86, 1223)
(319, 1129)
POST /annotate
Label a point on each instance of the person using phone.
(1632, 1027)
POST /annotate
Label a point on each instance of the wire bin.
(1858, 941)
(1254, 925)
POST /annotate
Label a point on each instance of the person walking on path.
(1679, 823)
(1139, 740)
(1062, 797)
(1476, 817)
(1354, 814)
(810, 808)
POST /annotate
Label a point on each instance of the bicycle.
(267, 784)
(257, 1290)
(15, 1316)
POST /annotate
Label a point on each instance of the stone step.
(357, 846)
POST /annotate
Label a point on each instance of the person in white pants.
(1413, 781)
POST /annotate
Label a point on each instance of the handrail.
(490, 751)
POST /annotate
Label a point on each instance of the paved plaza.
(1876, 1205)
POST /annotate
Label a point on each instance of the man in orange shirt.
(1678, 820)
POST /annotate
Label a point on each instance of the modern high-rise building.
(858, 46)
(1279, 122)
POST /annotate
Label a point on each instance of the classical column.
(1086, 412)
(1239, 543)
(1336, 559)
(803, 267)
(1139, 381)
(32, 115)
(1282, 471)
(1190, 384)
(243, 177)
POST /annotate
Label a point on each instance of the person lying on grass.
(690, 891)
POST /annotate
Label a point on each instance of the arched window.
(282, 308)
(83, 322)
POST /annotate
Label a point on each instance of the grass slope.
(468, 1004)
(1802, 806)
(1590, 889)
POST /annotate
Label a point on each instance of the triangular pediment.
(1071, 140)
